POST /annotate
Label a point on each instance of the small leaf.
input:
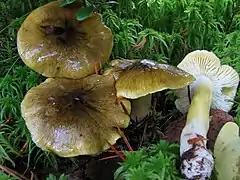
(84, 13)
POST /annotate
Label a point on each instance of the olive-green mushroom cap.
(137, 78)
(75, 117)
(53, 43)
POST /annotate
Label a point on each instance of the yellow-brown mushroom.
(75, 117)
(53, 43)
(138, 79)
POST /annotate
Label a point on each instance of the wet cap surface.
(53, 43)
(75, 117)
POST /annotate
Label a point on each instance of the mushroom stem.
(197, 160)
(140, 107)
(199, 108)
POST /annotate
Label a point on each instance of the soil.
(94, 169)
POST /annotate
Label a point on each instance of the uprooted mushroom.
(75, 117)
(138, 79)
(54, 43)
(215, 87)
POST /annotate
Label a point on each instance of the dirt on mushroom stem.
(218, 119)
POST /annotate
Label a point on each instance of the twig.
(144, 132)
(7, 121)
(125, 140)
(141, 44)
(24, 147)
(111, 157)
(13, 173)
(33, 176)
(116, 151)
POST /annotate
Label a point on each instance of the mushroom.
(138, 79)
(215, 87)
(75, 117)
(227, 152)
(54, 43)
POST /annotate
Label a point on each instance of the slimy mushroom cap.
(142, 77)
(75, 117)
(53, 43)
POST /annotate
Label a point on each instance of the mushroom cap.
(227, 152)
(139, 78)
(223, 77)
(53, 43)
(75, 117)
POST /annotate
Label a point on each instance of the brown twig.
(144, 132)
(125, 140)
(10, 118)
(142, 43)
(33, 176)
(24, 147)
(13, 173)
(111, 157)
(117, 152)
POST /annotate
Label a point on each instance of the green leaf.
(84, 13)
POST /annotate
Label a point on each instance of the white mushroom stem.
(141, 107)
(197, 160)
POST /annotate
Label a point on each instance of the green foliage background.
(171, 28)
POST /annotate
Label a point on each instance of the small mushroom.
(54, 43)
(75, 117)
(227, 152)
(138, 79)
(215, 87)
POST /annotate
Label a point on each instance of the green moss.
(155, 162)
